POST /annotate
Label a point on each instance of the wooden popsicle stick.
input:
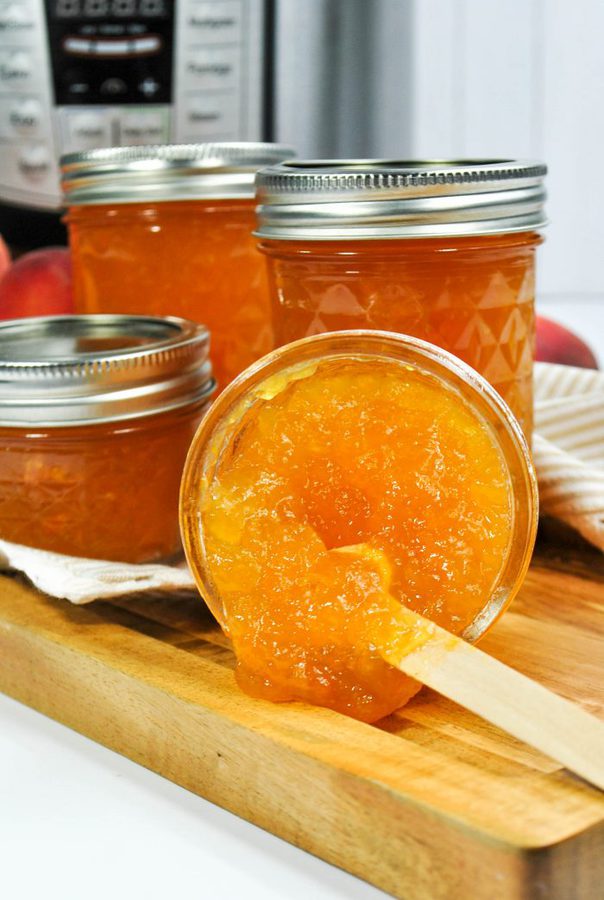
(501, 695)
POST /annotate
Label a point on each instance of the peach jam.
(96, 416)
(167, 230)
(338, 483)
(444, 251)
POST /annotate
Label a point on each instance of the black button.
(149, 86)
(78, 88)
(114, 86)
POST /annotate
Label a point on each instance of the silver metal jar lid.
(82, 370)
(166, 172)
(331, 200)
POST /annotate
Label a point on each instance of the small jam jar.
(167, 230)
(337, 462)
(96, 417)
(443, 251)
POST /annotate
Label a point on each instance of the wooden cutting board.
(433, 803)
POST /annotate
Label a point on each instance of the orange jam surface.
(472, 296)
(190, 258)
(105, 491)
(349, 489)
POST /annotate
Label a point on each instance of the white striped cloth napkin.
(82, 580)
(569, 456)
(568, 447)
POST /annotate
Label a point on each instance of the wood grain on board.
(432, 804)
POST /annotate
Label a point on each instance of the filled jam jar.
(96, 417)
(339, 482)
(443, 251)
(167, 230)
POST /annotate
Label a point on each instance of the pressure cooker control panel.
(80, 74)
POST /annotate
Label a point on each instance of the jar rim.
(348, 199)
(59, 371)
(449, 369)
(163, 172)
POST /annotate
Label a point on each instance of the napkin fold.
(82, 580)
(568, 450)
(568, 447)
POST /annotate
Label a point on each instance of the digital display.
(110, 9)
(111, 51)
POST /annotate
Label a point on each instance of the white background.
(523, 78)
(459, 78)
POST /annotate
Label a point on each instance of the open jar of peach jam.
(444, 251)
(167, 230)
(338, 479)
(96, 417)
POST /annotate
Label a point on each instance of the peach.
(4, 258)
(556, 344)
(37, 284)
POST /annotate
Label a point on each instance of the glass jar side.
(471, 296)
(104, 491)
(195, 258)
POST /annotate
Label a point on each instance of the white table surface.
(79, 822)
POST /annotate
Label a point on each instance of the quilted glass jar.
(167, 230)
(96, 417)
(339, 456)
(443, 251)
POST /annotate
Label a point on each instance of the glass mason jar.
(167, 230)
(443, 251)
(96, 417)
(239, 453)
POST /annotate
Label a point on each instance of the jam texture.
(348, 490)
(193, 258)
(471, 296)
(104, 491)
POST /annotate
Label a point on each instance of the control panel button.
(25, 116)
(153, 7)
(96, 7)
(15, 18)
(89, 129)
(210, 116)
(34, 162)
(215, 23)
(149, 86)
(78, 89)
(113, 87)
(145, 126)
(28, 174)
(213, 68)
(15, 69)
(67, 8)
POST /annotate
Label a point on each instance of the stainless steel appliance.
(82, 74)
(79, 74)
